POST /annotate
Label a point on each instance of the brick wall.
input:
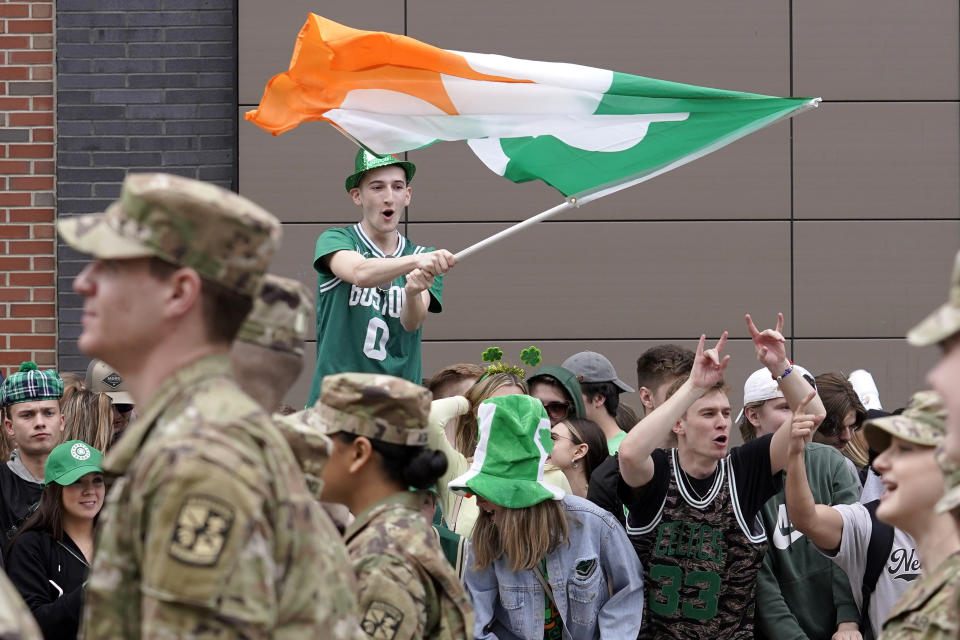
(27, 268)
(142, 85)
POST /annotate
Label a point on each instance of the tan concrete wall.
(846, 219)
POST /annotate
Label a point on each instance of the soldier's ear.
(360, 452)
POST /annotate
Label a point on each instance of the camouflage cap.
(304, 432)
(280, 315)
(923, 422)
(225, 237)
(951, 482)
(945, 321)
(377, 406)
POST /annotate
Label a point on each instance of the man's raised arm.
(771, 349)
(636, 465)
(352, 267)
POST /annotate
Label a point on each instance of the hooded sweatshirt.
(569, 382)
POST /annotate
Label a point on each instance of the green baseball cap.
(226, 238)
(70, 461)
(923, 422)
(945, 321)
(280, 316)
(367, 160)
(514, 443)
(377, 406)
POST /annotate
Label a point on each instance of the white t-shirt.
(902, 567)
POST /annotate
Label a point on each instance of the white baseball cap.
(761, 386)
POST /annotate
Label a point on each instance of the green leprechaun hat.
(514, 443)
(366, 160)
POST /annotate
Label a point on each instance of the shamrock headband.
(494, 355)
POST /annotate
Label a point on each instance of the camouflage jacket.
(407, 589)
(928, 609)
(209, 531)
(16, 623)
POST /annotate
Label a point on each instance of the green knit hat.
(70, 461)
(514, 443)
(365, 161)
(29, 384)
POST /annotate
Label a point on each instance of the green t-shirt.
(359, 329)
(613, 444)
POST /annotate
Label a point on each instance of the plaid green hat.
(280, 315)
(951, 483)
(29, 384)
(923, 422)
(225, 237)
(304, 432)
(945, 321)
(70, 461)
(514, 443)
(377, 406)
(366, 160)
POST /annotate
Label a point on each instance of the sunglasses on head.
(123, 408)
(557, 410)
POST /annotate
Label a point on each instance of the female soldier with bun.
(406, 587)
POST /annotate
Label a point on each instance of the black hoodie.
(49, 575)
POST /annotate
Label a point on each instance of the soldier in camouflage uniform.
(267, 355)
(16, 623)
(912, 481)
(209, 530)
(378, 425)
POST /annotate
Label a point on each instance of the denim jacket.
(597, 583)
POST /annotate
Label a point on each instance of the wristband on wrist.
(783, 375)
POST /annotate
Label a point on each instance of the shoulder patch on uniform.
(381, 620)
(200, 534)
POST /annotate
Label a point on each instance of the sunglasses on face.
(123, 408)
(557, 410)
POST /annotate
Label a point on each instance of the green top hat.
(70, 461)
(366, 160)
(514, 443)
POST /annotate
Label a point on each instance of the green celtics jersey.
(359, 329)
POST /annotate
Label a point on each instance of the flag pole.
(509, 231)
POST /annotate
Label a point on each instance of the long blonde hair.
(88, 417)
(467, 431)
(525, 535)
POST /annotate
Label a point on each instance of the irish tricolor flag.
(587, 132)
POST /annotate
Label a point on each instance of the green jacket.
(800, 592)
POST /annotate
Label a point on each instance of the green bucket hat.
(366, 160)
(923, 422)
(29, 384)
(514, 443)
(70, 461)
